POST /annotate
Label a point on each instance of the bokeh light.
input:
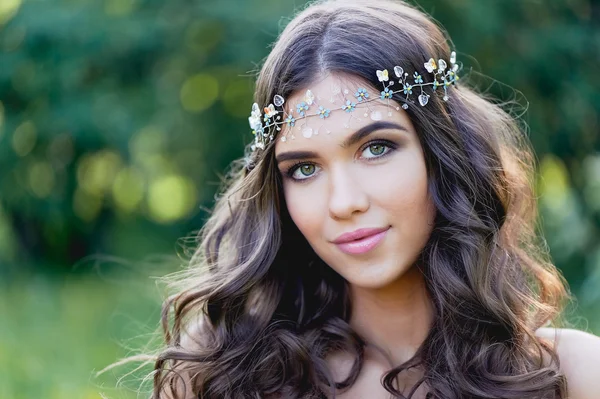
(171, 198)
(24, 138)
(199, 92)
(8, 9)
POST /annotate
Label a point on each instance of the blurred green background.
(117, 118)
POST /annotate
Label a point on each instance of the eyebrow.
(353, 139)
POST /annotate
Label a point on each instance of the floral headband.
(262, 125)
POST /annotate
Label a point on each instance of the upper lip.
(358, 234)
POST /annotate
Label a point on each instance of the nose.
(346, 194)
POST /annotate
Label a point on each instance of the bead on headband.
(264, 126)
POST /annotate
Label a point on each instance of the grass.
(61, 332)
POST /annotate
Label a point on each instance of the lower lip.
(363, 245)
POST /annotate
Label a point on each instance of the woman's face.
(349, 182)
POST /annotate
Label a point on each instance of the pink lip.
(366, 240)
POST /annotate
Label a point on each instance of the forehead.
(331, 83)
(337, 98)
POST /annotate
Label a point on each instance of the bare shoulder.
(579, 355)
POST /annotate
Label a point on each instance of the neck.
(394, 319)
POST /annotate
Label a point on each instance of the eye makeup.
(387, 144)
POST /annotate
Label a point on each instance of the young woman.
(377, 240)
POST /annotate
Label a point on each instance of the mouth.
(362, 245)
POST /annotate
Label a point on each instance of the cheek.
(401, 192)
(401, 186)
(304, 209)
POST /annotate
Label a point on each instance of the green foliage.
(117, 117)
(61, 332)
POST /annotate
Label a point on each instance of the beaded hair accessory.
(264, 126)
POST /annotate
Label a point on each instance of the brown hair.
(257, 312)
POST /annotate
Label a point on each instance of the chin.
(375, 276)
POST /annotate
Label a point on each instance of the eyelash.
(392, 146)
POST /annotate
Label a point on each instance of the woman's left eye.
(377, 149)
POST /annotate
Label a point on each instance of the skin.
(380, 184)
(366, 185)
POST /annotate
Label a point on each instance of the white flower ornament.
(398, 71)
(254, 119)
(383, 76)
(309, 97)
(430, 65)
(270, 111)
(442, 65)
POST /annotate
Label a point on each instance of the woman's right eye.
(301, 171)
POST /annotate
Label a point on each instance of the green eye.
(306, 171)
(379, 149)
(309, 169)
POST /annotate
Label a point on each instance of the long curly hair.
(257, 312)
